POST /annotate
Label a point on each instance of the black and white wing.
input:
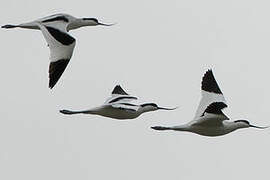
(61, 46)
(212, 100)
(119, 96)
(58, 21)
(213, 115)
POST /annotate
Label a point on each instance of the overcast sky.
(158, 51)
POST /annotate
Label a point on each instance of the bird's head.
(246, 124)
(93, 22)
(82, 22)
(153, 107)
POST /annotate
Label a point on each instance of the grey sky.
(158, 51)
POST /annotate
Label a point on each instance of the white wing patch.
(210, 93)
(207, 99)
(61, 48)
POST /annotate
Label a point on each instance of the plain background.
(158, 51)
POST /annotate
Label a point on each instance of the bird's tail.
(71, 112)
(161, 128)
(8, 26)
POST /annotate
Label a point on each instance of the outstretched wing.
(212, 97)
(61, 46)
(117, 90)
(119, 96)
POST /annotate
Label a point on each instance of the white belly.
(118, 113)
(211, 131)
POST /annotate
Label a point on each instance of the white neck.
(234, 126)
(145, 109)
(80, 23)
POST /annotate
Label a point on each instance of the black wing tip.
(8, 26)
(51, 85)
(119, 90)
(209, 72)
(160, 128)
(209, 82)
(56, 70)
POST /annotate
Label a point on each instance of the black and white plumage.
(55, 30)
(210, 93)
(59, 21)
(209, 119)
(61, 47)
(119, 106)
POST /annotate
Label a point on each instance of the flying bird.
(55, 30)
(209, 119)
(119, 106)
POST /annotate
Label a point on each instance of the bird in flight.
(55, 31)
(209, 119)
(119, 106)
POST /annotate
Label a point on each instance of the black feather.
(209, 83)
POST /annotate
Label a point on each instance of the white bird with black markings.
(209, 119)
(55, 30)
(118, 106)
